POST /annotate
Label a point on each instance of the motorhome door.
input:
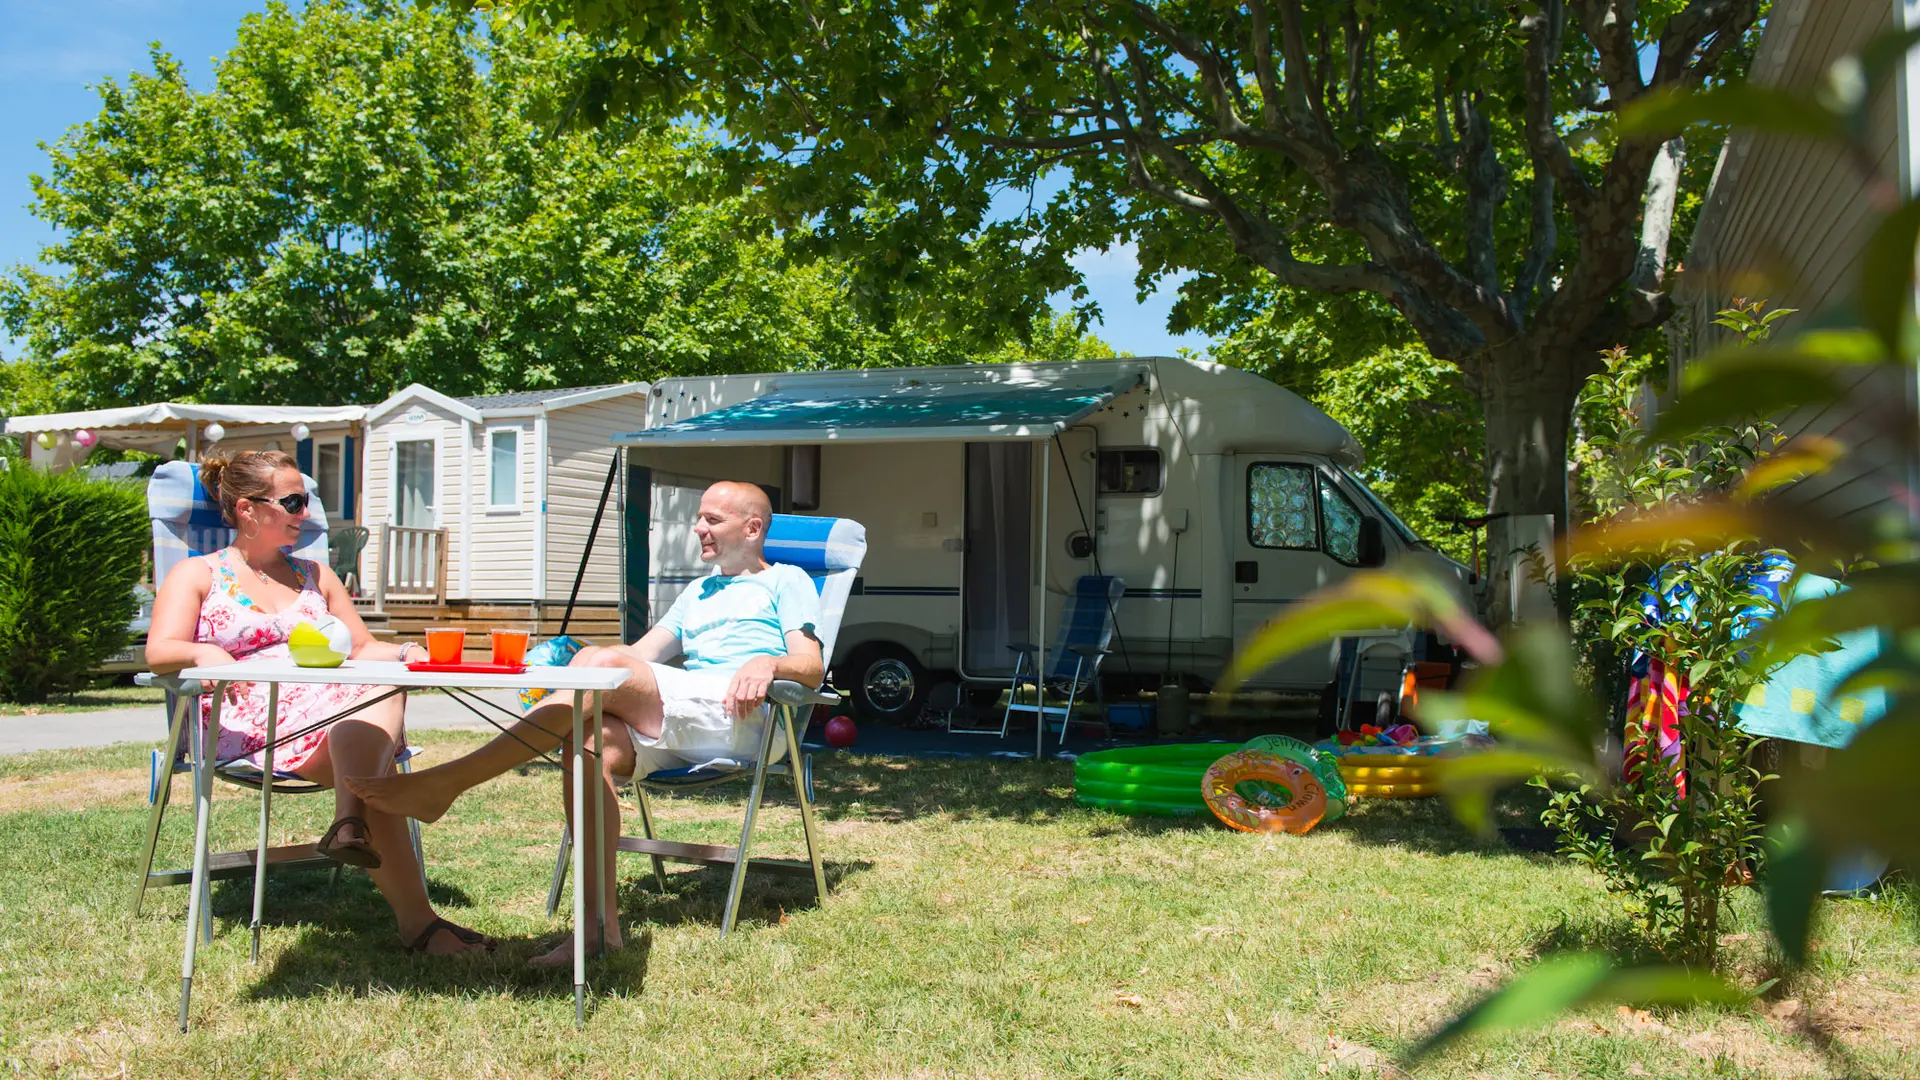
(673, 551)
(997, 595)
(1297, 533)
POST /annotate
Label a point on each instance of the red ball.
(841, 732)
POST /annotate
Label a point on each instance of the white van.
(1217, 496)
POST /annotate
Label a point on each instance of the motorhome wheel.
(888, 684)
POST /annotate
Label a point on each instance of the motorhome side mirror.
(1373, 543)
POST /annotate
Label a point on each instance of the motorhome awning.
(913, 410)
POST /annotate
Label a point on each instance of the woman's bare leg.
(362, 746)
(427, 794)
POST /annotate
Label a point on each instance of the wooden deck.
(598, 624)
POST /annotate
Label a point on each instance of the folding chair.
(1086, 628)
(187, 522)
(830, 551)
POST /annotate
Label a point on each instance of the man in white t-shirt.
(740, 628)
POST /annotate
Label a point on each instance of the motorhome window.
(803, 477)
(1339, 522)
(1280, 506)
(1380, 505)
(503, 469)
(1130, 471)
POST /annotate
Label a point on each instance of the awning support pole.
(1040, 673)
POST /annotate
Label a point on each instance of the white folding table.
(581, 681)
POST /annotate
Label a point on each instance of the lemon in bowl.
(322, 643)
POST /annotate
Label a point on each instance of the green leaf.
(1531, 999)
(1370, 601)
(1796, 870)
(1744, 381)
(1665, 113)
(1884, 291)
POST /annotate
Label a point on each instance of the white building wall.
(579, 452)
(1785, 220)
(377, 475)
(500, 566)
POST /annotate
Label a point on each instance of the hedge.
(71, 552)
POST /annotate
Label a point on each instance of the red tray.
(467, 668)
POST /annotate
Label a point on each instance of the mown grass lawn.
(982, 926)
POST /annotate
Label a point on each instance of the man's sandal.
(465, 936)
(351, 851)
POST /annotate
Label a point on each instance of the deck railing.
(413, 565)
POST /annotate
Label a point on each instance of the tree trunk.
(1527, 401)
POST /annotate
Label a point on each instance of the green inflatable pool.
(1164, 781)
(1159, 781)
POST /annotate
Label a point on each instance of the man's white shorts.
(695, 728)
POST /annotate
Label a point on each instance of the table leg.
(600, 822)
(580, 845)
(202, 813)
(266, 808)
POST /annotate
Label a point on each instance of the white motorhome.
(987, 490)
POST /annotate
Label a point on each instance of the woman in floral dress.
(241, 603)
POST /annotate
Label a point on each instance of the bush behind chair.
(70, 557)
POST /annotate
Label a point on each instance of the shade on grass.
(982, 925)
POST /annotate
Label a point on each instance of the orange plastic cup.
(446, 644)
(510, 646)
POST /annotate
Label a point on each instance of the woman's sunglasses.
(292, 504)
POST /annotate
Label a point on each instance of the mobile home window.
(1129, 471)
(1280, 507)
(327, 477)
(1340, 523)
(503, 469)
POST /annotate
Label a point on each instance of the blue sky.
(51, 52)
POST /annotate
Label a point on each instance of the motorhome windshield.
(1393, 519)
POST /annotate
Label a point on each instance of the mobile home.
(987, 490)
(480, 507)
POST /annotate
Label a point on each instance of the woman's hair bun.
(211, 466)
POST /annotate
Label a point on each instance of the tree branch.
(1486, 187)
(1270, 112)
(1542, 31)
(1609, 27)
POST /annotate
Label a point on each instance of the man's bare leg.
(426, 795)
(616, 743)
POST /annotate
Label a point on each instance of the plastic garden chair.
(345, 545)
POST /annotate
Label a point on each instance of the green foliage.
(1332, 181)
(376, 194)
(71, 553)
(1690, 822)
(1691, 495)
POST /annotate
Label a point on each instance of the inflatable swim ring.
(1325, 766)
(1256, 791)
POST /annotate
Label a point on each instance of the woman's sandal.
(353, 851)
(466, 936)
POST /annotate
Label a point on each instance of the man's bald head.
(750, 500)
(732, 526)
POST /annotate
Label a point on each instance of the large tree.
(369, 195)
(1451, 159)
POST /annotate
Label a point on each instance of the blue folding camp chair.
(186, 523)
(1086, 629)
(830, 551)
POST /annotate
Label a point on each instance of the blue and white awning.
(910, 410)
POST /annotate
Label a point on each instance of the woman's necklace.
(257, 572)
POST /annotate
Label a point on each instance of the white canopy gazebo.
(321, 438)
